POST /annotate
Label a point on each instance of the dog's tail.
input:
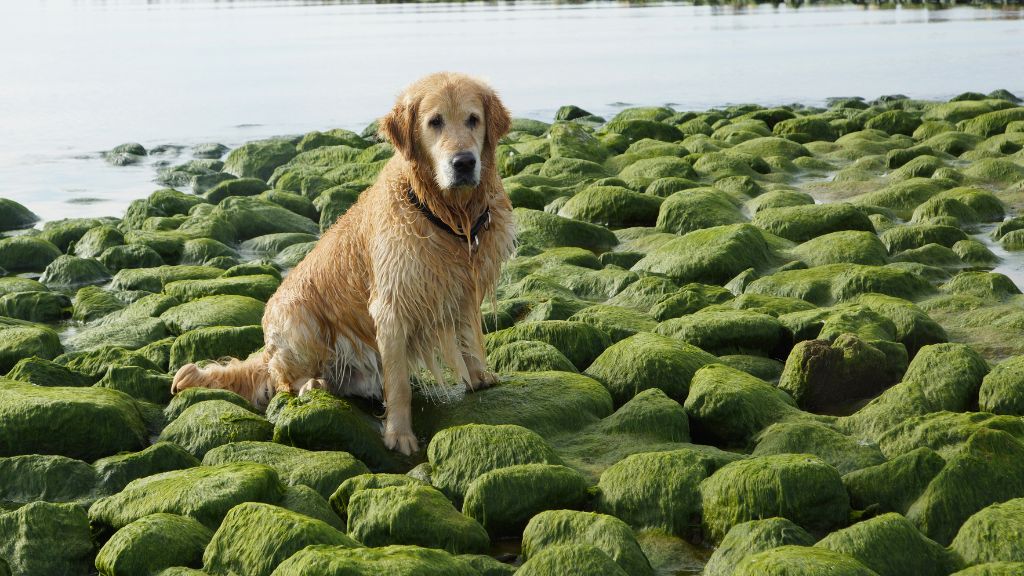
(247, 378)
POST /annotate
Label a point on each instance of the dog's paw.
(312, 384)
(399, 441)
(482, 379)
(186, 377)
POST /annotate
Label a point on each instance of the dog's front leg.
(398, 434)
(471, 340)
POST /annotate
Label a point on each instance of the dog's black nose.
(464, 162)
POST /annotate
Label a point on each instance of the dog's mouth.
(464, 181)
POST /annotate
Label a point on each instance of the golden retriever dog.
(396, 284)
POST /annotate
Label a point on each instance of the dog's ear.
(497, 119)
(399, 127)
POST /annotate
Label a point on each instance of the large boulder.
(43, 538)
(750, 538)
(606, 533)
(153, 543)
(504, 500)
(891, 546)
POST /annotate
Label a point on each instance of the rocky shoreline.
(743, 341)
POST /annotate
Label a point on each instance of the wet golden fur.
(386, 292)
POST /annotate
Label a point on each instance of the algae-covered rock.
(711, 255)
(14, 216)
(840, 451)
(138, 383)
(115, 472)
(84, 423)
(259, 159)
(418, 515)
(205, 493)
(40, 372)
(992, 569)
(487, 566)
(391, 560)
(528, 356)
(322, 471)
(317, 420)
(846, 246)
(612, 536)
(1002, 389)
(94, 363)
(214, 342)
(20, 339)
(727, 406)
(545, 230)
(40, 306)
(824, 285)
(213, 311)
(153, 543)
(251, 217)
(153, 279)
(581, 343)
(987, 470)
(800, 487)
(255, 537)
(26, 479)
(891, 546)
(44, 538)
(729, 332)
(580, 559)
(69, 271)
(503, 500)
(612, 206)
(657, 490)
(97, 240)
(691, 210)
(647, 361)
(191, 396)
(617, 322)
(340, 498)
(129, 333)
(802, 223)
(206, 425)
(994, 534)
(750, 538)
(801, 561)
(944, 432)
(27, 253)
(461, 454)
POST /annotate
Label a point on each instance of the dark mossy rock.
(40, 372)
(209, 311)
(44, 538)
(729, 332)
(255, 538)
(417, 515)
(391, 560)
(26, 479)
(643, 294)
(612, 206)
(115, 472)
(750, 538)
(767, 369)
(712, 255)
(840, 451)
(129, 333)
(334, 202)
(941, 377)
(944, 432)
(461, 454)
(322, 471)
(1002, 390)
(657, 490)
(580, 559)
(153, 543)
(988, 285)
(828, 376)
(545, 230)
(205, 493)
(259, 159)
(206, 425)
(914, 328)
(27, 253)
(617, 322)
(571, 140)
(994, 534)
(989, 469)
(727, 406)
(39, 306)
(97, 240)
(802, 223)
(191, 396)
(206, 251)
(272, 244)
(20, 339)
(689, 299)
(801, 561)
(317, 420)
(340, 498)
(215, 342)
(891, 546)
(235, 187)
(92, 303)
(487, 566)
(559, 528)
(992, 569)
(61, 233)
(800, 487)
(846, 246)
(581, 343)
(504, 500)
(153, 279)
(138, 383)
(14, 216)
(292, 255)
(117, 258)
(252, 217)
(528, 356)
(84, 423)
(93, 364)
(894, 485)
(699, 208)
(647, 361)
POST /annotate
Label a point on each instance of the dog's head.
(449, 124)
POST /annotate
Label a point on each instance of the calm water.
(78, 77)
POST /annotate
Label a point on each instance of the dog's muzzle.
(464, 167)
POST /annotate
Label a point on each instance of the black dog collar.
(481, 224)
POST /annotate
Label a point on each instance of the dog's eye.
(473, 121)
(436, 122)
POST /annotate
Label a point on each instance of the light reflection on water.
(82, 77)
